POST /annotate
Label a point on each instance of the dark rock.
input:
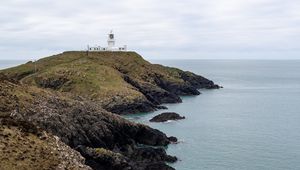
(129, 108)
(166, 116)
(176, 88)
(161, 107)
(102, 159)
(198, 81)
(86, 126)
(215, 86)
(153, 93)
(52, 83)
(150, 154)
(173, 139)
(150, 136)
(159, 166)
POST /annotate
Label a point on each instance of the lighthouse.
(111, 41)
(110, 45)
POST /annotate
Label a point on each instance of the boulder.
(163, 117)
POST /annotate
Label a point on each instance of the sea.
(10, 63)
(253, 123)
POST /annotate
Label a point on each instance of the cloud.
(158, 29)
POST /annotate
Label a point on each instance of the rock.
(196, 80)
(159, 166)
(102, 159)
(162, 107)
(173, 139)
(153, 93)
(129, 108)
(214, 86)
(176, 88)
(150, 154)
(147, 157)
(85, 126)
(163, 117)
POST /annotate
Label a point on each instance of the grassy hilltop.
(113, 79)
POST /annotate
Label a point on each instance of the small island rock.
(163, 117)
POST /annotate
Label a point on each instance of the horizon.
(175, 59)
(247, 29)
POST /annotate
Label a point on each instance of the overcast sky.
(157, 29)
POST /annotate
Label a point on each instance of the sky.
(156, 29)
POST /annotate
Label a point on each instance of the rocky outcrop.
(163, 117)
(135, 106)
(148, 158)
(198, 81)
(106, 140)
(176, 88)
(139, 158)
(153, 93)
(103, 159)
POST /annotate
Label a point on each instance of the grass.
(106, 153)
(20, 150)
(97, 75)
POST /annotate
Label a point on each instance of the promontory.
(63, 111)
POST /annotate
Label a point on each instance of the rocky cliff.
(71, 97)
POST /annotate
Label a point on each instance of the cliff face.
(72, 95)
(121, 82)
(106, 140)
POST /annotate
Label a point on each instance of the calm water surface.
(253, 123)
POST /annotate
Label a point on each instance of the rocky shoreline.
(76, 98)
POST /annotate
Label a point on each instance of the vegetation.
(24, 146)
(96, 75)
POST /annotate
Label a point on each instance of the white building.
(111, 45)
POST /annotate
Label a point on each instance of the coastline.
(71, 110)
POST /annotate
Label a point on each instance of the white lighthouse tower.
(111, 41)
(110, 45)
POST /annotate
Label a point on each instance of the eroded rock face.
(148, 158)
(86, 127)
(198, 81)
(177, 88)
(163, 117)
(103, 159)
(134, 106)
(153, 93)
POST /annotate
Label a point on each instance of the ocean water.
(253, 123)
(10, 63)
